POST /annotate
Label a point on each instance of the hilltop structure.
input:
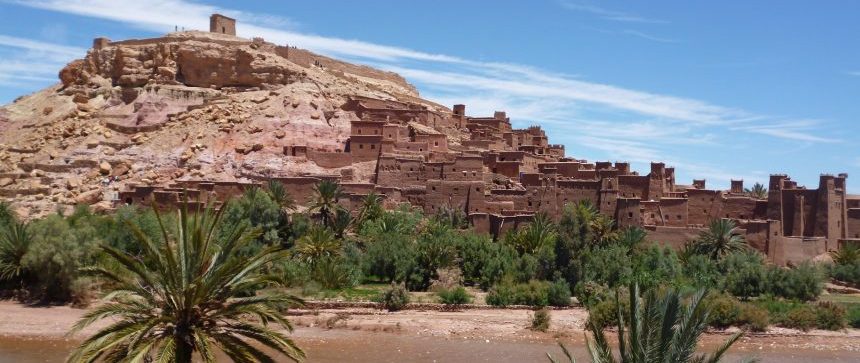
(203, 116)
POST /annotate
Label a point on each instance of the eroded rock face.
(183, 61)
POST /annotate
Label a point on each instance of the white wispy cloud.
(607, 14)
(646, 36)
(27, 62)
(640, 126)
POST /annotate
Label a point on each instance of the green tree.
(758, 191)
(541, 232)
(188, 297)
(256, 209)
(327, 194)
(720, 239)
(661, 328)
(279, 194)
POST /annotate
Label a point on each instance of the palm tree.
(14, 243)
(317, 244)
(602, 230)
(720, 239)
(662, 328)
(341, 223)
(631, 237)
(280, 195)
(187, 295)
(371, 208)
(539, 233)
(758, 191)
(7, 216)
(327, 195)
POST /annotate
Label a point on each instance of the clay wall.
(853, 230)
(703, 206)
(575, 191)
(739, 207)
(367, 127)
(398, 172)
(464, 195)
(628, 213)
(221, 24)
(510, 169)
(365, 147)
(759, 233)
(674, 211)
(633, 186)
(331, 160)
(786, 251)
(412, 146)
(435, 142)
(674, 237)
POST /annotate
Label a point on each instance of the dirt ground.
(53, 322)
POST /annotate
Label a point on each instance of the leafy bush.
(803, 317)
(558, 293)
(744, 274)
(540, 320)
(589, 293)
(849, 272)
(483, 262)
(60, 248)
(455, 296)
(725, 310)
(830, 316)
(852, 316)
(603, 313)
(533, 293)
(753, 317)
(804, 282)
(395, 298)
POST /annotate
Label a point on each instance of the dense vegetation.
(332, 250)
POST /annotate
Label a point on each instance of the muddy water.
(357, 346)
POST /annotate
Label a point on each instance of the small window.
(373, 146)
(629, 214)
(361, 146)
(679, 217)
(435, 143)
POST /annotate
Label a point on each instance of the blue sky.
(729, 89)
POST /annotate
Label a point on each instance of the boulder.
(104, 167)
(89, 197)
(6, 182)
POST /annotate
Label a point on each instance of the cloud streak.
(607, 14)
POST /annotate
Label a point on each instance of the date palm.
(758, 191)
(327, 193)
(280, 195)
(317, 244)
(720, 239)
(186, 296)
(15, 241)
(371, 208)
(848, 254)
(662, 328)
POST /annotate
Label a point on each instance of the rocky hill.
(189, 105)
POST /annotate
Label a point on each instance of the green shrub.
(830, 316)
(725, 310)
(455, 296)
(558, 293)
(589, 293)
(395, 298)
(744, 274)
(753, 317)
(501, 294)
(533, 293)
(849, 273)
(852, 316)
(603, 313)
(804, 282)
(803, 317)
(540, 320)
